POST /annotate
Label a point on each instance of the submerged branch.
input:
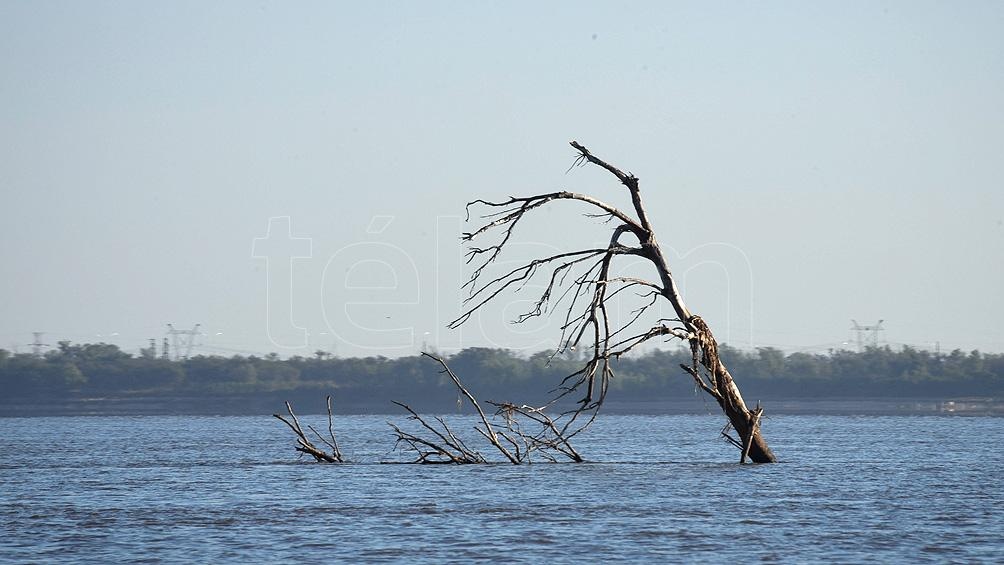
(304, 445)
(441, 445)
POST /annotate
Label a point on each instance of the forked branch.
(303, 443)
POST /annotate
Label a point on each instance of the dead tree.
(438, 443)
(587, 280)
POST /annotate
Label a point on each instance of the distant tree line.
(96, 369)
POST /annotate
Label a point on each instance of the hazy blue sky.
(805, 163)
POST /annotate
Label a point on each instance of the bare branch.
(526, 204)
(489, 431)
(511, 440)
(628, 180)
(448, 449)
(304, 445)
(515, 276)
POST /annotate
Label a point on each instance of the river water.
(656, 488)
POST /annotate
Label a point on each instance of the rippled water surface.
(113, 489)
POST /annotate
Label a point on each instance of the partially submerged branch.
(304, 445)
(547, 440)
(440, 444)
(444, 447)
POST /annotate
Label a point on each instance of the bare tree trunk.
(746, 422)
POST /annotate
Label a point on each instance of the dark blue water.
(205, 489)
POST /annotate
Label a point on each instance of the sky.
(292, 176)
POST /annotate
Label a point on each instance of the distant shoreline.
(258, 404)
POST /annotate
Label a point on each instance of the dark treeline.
(90, 370)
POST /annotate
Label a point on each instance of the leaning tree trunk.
(719, 382)
(746, 422)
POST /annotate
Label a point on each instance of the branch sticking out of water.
(508, 436)
(304, 445)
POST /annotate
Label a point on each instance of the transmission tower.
(36, 344)
(183, 339)
(867, 336)
(149, 352)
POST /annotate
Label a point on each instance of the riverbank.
(311, 403)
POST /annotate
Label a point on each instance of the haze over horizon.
(294, 178)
